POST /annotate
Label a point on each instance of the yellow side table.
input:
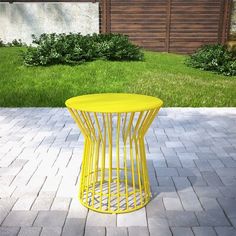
(114, 176)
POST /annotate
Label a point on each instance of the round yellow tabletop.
(113, 102)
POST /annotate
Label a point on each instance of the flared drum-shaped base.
(114, 173)
(114, 177)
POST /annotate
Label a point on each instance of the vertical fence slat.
(105, 6)
(168, 24)
(226, 20)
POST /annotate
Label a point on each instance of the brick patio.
(192, 166)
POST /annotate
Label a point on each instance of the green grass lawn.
(162, 75)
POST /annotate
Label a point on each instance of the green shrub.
(14, 43)
(2, 43)
(72, 49)
(214, 58)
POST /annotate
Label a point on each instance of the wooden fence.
(168, 25)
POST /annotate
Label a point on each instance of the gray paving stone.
(197, 181)
(99, 219)
(226, 172)
(165, 172)
(60, 204)
(8, 171)
(189, 200)
(233, 221)
(181, 150)
(182, 218)
(20, 218)
(6, 191)
(229, 191)
(135, 218)
(154, 207)
(154, 190)
(188, 163)
(160, 162)
(212, 218)
(160, 231)
(180, 231)
(174, 144)
(50, 218)
(167, 191)
(173, 162)
(74, 227)
(225, 231)
(172, 204)
(51, 184)
(181, 183)
(207, 155)
(94, 230)
(203, 165)
(212, 178)
(152, 180)
(165, 181)
(77, 210)
(187, 156)
(210, 204)
(117, 231)
(6, 181)
(216, 163)
(51, 231)
(207, 191)
(5, 207)
(204, 231)
(229, 162)
(9, 231)
(138, 231)
(230, 149)
(229, 206)
(168, 151)
(159, 220)
(186, 172)
(24, 203)
(27, 190)
(29, 231)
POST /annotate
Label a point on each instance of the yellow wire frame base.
(113, 196)
(114, 176)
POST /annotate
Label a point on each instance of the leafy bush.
(72, 49)
(14, 43)
(214, 58)
(2, 43)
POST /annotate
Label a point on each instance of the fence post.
(224, 24)
(105, 6)
(168, 24)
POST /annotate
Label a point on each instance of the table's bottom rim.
(115, 212)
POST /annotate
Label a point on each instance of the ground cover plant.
(159, 74)
(72, 49)
(216, 58)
